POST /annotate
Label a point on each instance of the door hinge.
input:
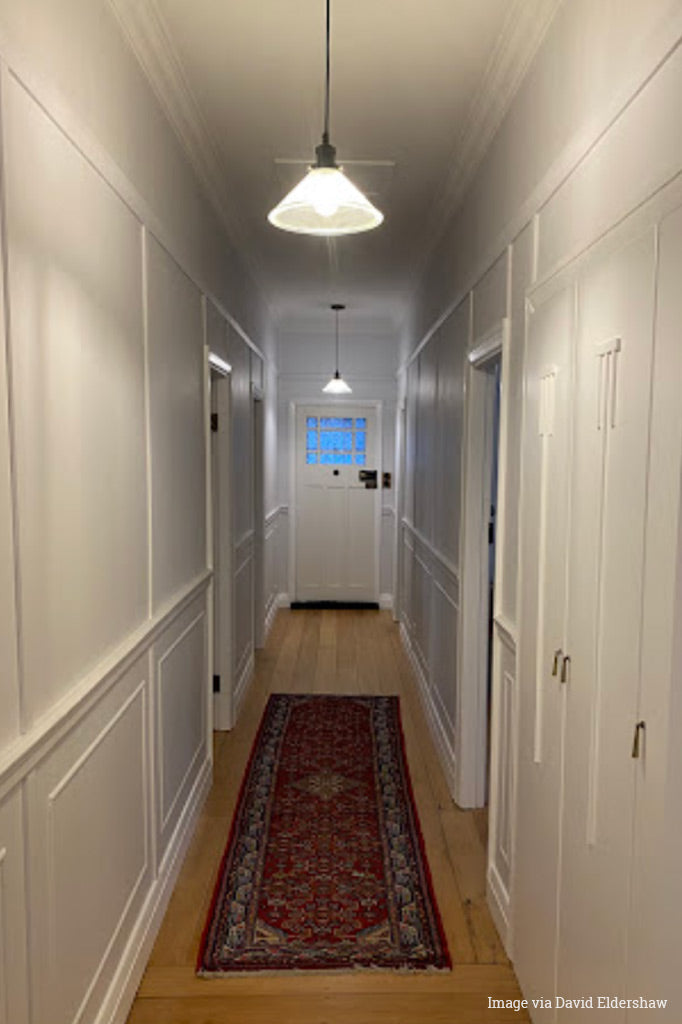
(216, 684)
(214, 422)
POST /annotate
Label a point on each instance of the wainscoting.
(116, 779)
(430, 626)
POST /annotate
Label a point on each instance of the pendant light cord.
(325, 137)
(336, 313)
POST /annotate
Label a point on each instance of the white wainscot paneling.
(502, 780)
(9, 691)
(13, 976)
(444, 632)
(490, 298)
(176, 388)
(243, 598)
(422, 609)
(89, 867)
(641, 152)
(180, 673)
(273, 533)
(76, 338)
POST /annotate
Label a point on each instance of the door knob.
(555, 662)
(564, 668)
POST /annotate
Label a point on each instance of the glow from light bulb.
(337, 386)
(325, 202)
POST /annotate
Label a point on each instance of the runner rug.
(325, 866)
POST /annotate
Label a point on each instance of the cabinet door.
(656, 905)
(546, 440)
(608, 499)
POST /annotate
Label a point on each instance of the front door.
(337, 503)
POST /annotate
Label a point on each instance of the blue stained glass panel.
(360, 460)
(361, 423)
(360, 440)
(311, 458)
(311, 440)
(311, 421)
(336, 458)
(336, 423)
(336, 440)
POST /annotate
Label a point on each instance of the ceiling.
(418, 89)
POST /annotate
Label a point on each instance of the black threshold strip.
(335, 605)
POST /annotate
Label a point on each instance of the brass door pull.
(564, 668)
(637, 742)
(555, 662)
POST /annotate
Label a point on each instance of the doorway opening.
(220, 553)
(480, 557)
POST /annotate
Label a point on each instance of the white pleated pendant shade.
(326, 202)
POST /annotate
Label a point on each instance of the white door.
(546, 482)
(337, 509)
(611, 445)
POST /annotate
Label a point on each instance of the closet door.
(610, 454)
(546, 460)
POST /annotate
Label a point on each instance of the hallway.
(337, 652)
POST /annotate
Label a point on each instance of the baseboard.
(242, 686)
(121, 993)
(283, 601)
(498, 902)
(443, 746)
(386, 602)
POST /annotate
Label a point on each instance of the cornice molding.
(145, 30)
(520, 38)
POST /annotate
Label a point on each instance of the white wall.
(111, 263)
(593, 131)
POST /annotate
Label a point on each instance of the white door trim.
(378, 406)
(221, 705)
(471, 741)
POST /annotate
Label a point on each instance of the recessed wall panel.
(182, 694)
(13, 967)
(76, 340)
(88, 843)
(176, 390)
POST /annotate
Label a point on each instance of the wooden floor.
(336, 652)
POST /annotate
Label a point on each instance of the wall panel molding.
(21, 756)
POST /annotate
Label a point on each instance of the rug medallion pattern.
(325, 866)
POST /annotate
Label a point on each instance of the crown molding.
(519, 39)
(145, 30)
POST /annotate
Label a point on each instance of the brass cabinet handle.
(564, 668)
(637, 743)
(555, 662)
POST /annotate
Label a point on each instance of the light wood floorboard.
(335, 652)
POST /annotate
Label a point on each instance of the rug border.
(447, 965)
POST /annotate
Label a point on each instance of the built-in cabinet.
(597, 446)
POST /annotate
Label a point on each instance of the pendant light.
(337, 385)
(326, 202)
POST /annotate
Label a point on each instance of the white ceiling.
(418, 88)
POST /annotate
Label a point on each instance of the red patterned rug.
(325, 866)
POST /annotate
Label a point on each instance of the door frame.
(333, 404)
(222, 580)
(471, 740)
(258, 463)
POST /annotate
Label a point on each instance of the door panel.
(546, 444)
(613, 371)
(336, 514)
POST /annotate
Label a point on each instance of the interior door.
(611, 446)
(337, 503)
(545, 526)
